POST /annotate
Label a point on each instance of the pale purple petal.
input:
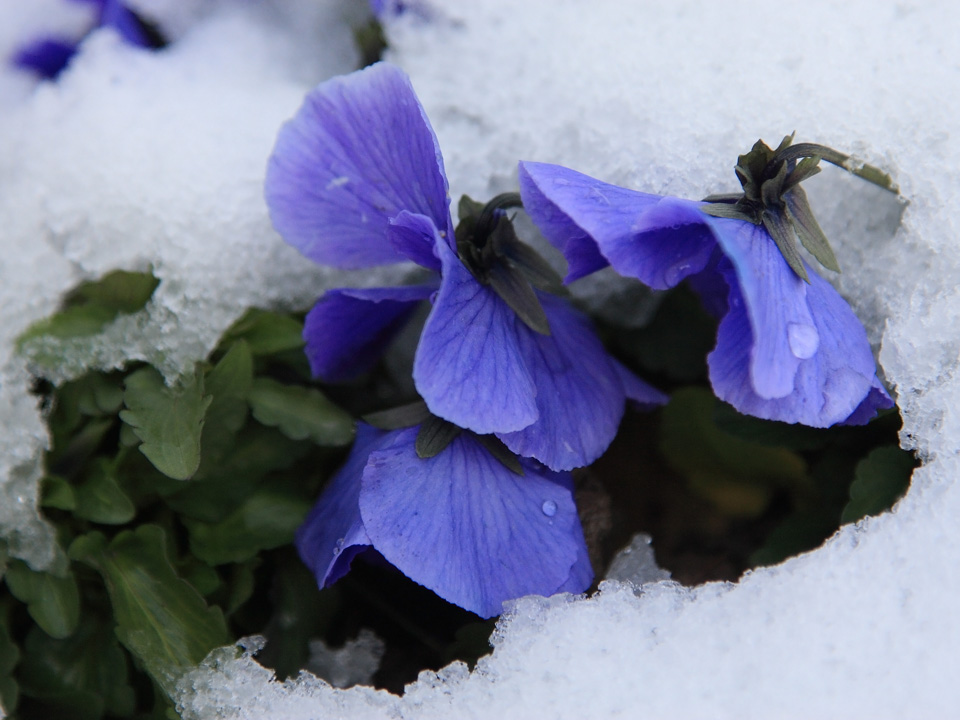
(348, 330)
(641, 394)
(47, 57)
(358, 152)
(332, 534)
(877, 399)
(658, 240)
(468, 366)
(828, 387)
(580, 250)
(415, 237)
(116, 15)
(579, 391)
(468, 528)
(777, 303)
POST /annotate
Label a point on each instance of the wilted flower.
(356, 179)
(48, 56)
(474, 526)
(789, 348)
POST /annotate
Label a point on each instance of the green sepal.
(168, 420)
(161, 619)
(805, 169)
(266, 520)
(514, 289)
(85, 676)
(783, 235)
(53, 602)
(434, 436)
(881, 479)
(505, 244)
(808, 229)
(501, 453)
(727, 210)
(469, 209)
(399, 417)
(300, 413)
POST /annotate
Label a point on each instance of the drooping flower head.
(355, 180)
(471, 522)
(48, 56)
(789, 348)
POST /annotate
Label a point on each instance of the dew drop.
(549, 508)
(804, 340)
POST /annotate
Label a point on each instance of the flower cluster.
(469, 492)
(47, 56)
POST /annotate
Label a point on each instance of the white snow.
(136, 160)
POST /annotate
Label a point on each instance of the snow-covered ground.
(137, 160)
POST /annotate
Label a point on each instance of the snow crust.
(136, 160)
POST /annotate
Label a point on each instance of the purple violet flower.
(48, 56)
(355, 180)
(460, 523)
(789, 348)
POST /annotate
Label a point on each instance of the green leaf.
(737, 476)
(57, 493)
(100, 499)
(169, 421)
(94, 305)
(161, 619)
(204, 578)
(120, 290)
(257, 451)
(268, 519)
(881, 479)
(266, 333)
(99, 395)
(228, 384)
(300, 612)
(677, 340)
(53, 602)
(83, 676)
(300, 413)
(798, 533)
(9, 658)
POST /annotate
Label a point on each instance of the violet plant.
(789, 348)
(181, 509)
(356, 179)
(48, 55)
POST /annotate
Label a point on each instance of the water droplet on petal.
(804, 340)
(549, 508)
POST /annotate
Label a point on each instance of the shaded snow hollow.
(138, 160)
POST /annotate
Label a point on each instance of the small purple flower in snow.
(789, 348)
(356, 179)
(48, 56)
(461, 523)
